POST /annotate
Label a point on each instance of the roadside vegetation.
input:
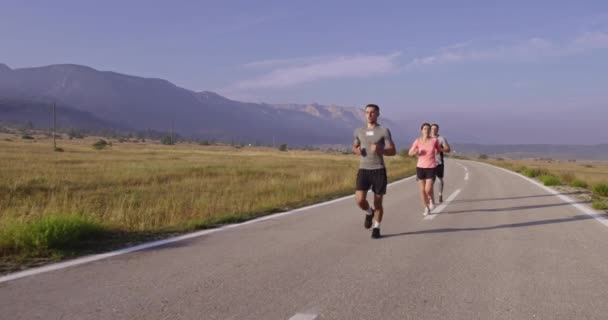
(590, 177)
(91, 198)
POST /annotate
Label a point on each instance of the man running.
(372, 143)
(439, 170)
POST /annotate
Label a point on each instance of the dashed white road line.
(442, 206)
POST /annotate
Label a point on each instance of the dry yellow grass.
(148, 186)
(591, 172)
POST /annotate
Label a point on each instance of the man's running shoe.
(368, 219)
(376, 233)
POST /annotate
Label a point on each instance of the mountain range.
(88, 98)
(108, 101)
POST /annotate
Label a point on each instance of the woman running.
(426, 147)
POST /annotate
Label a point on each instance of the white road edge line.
(143, 246)
(583, 208)
(303, 316)
(442, 206)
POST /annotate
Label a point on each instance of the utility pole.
(172, 128)
(54, 126)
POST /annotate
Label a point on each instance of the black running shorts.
(439, 171)
(425, 173)
(376, 179)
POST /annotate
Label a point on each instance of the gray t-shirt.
(439, 156)
(364, 137)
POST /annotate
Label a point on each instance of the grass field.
(592, 173)
(48, 198)
(589, 176)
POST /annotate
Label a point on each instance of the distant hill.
(533, 151)
(40, 115)
(136, 103)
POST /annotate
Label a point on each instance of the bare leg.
(429, 190)
(360, 197)
(423, 194)
(379, 210)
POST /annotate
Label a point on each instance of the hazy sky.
(539, 60)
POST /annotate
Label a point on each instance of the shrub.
(27, 137)
(579, 184)
(600, 204)
(601, 189)
(283, 147)
(100, 144)
(483, 156)
(521, 169)
(55, 232)
(549, 180)
(533, 172)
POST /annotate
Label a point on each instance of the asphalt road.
(501, 248)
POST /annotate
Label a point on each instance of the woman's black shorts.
(425, 173)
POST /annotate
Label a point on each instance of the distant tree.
(283, 147)
(100, 144)
(483, 156)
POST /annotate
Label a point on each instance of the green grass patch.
(601, 189)
(600, 204)
(534, 172)
(549, 180)
(579, 184)
(50, 234)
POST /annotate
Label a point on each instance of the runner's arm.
(446, 146)
(389, 146)
(357, 146)
(390, 150)
(414, 149)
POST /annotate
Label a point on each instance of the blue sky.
(546, 59)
